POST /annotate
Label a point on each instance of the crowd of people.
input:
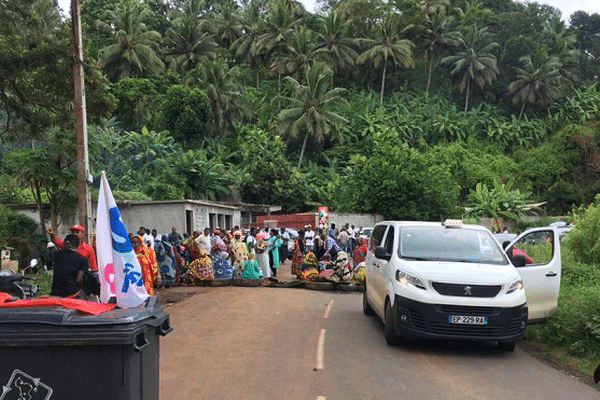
(173, 259)
(328, 252)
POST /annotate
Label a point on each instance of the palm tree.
(246, 46)
(224, 93)
(437, 35)
(133, 51)
(537, 82)
(297, 55)
(389, 47)
(334, 44)
(227, 23)
(473, 65)
(187, 44)
(311, 108)
(562, 46)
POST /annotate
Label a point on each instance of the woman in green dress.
(273, 245)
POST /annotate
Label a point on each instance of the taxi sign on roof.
(452, 223)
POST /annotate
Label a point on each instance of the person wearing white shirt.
(203, 240)
(309, 236)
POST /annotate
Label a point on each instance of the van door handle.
(551, 273)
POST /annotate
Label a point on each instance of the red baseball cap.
(77, 227)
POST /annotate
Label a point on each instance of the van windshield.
(449, 244)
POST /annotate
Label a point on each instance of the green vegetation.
(412, 109)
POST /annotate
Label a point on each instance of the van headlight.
(516, 285)
(405, 278)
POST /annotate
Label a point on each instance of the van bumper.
(421, 320)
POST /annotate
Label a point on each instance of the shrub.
(14, 224)
(584, 239)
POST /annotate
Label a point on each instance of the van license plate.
(468, 320)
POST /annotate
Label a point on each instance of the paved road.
(267, 343)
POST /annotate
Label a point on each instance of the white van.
(454, 281)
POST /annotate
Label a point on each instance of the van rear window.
(449, 244)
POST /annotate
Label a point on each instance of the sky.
(567, 7)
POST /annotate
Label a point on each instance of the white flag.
(118, 267)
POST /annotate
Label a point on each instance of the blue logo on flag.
(120, 238)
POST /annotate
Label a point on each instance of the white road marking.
(328, 309)
(321, 398)
(321, 350)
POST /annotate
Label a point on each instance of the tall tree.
(246, 46)
(186, 44)
(537, 82)
(224, 91)
(335, 45)
(297, 55)
(437, 36)
(388, 47)
(311, 109)
(133, 49)
(475, 64)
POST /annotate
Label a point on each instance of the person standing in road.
(309, 236)
(283, 250)
(203, 240)
(84, 249)
(298, 257)
(239, 251)
(273, 245)
(175, 237)
(147, 260)
(251, 240)
(146, 237)
(261, 254)
(69, 270)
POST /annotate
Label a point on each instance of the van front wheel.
(390, 335)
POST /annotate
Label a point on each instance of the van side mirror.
(381, 253)
(519, 261)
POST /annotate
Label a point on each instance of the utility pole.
(83, 163)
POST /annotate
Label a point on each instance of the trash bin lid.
(57, 325)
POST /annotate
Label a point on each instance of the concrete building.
(185, 215)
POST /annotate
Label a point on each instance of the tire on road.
(221, 282)
(319, 285)
(246, 282)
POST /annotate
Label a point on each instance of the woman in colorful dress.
(147, 260)
(299, 248)
(192, 247)
(273, 245)
(220, 257)
(310, 267)
(261, 254)
(360, 251)
(251, 269)
(201, 268)
(239, 251)
(165, 260)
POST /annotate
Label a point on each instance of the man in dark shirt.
(69, 269)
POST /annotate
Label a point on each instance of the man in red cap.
(84, 249)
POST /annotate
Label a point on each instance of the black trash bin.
(53, 353)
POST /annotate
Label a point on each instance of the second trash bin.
(52, 353)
